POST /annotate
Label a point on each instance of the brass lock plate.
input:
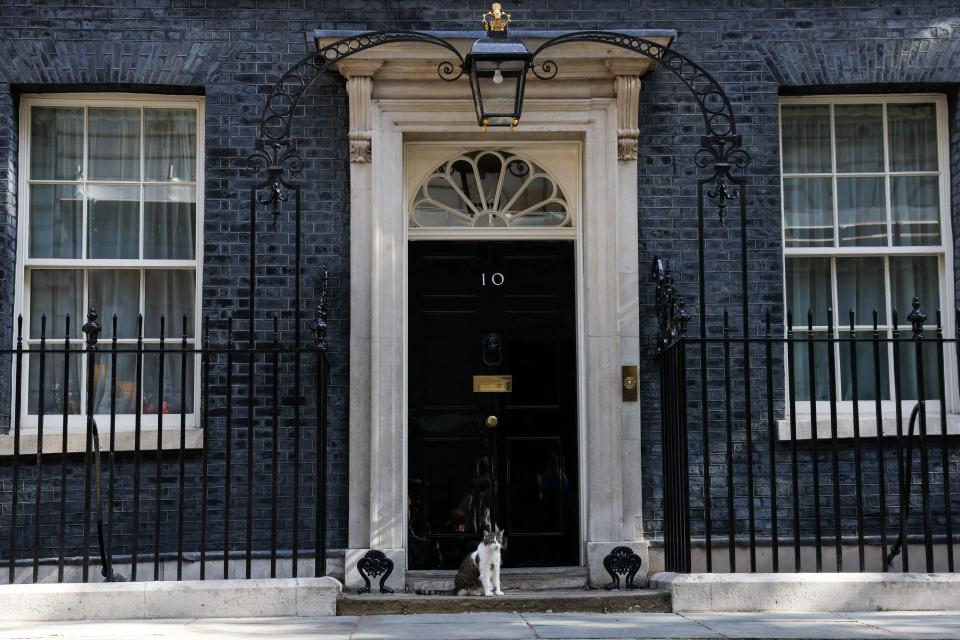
(492, 384)
(628, 377)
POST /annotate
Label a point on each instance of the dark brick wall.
(232, 51)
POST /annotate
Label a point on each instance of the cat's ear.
(485, 533)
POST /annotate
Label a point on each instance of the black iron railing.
(837, 449)
(171, 458)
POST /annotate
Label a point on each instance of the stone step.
(523, 579)
(569, 601)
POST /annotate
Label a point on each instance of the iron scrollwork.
(672, 314)
(275, 151)
(277, 114)
(722, 153)
(720, 147)
(374, 563)
(621, 561)
(278, 158)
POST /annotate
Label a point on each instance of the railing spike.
(916, 318)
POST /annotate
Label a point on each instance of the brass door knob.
(491, 421)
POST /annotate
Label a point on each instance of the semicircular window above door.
(488, 189)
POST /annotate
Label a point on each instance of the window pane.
(113, 221)
(806, 138)
(169, 399)
(915, 209)
(462, 175)
(168, 293)
(909, 381)
(56, 215)
(56, 143)
(114, 144)
(57, 388)
(56, 293)
(859, 135)
(808, 212)
(170, 222)
(170, 144)
(915, 276)
(867, 359)
(913, 137)
(116, 291)
(860, 287)
(801, 369)
(862, 212)
(808, 288)
(126, 381)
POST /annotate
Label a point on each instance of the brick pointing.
(233, 51)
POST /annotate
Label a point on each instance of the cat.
(480, 571)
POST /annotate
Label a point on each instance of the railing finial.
(91, 328)
(916, 318)
(319, 324)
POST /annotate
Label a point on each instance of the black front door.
(492, 401)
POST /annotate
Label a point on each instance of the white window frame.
(867, 408)
(124, 422)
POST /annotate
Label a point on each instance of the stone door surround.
(396, 98)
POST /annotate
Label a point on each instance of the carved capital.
(628, 107)
(359, 146)
(359, 91)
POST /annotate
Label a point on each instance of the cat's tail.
(436, 592)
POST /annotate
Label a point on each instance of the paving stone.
(906, 625)
(413, 630)
(650, 625)
(786, 625)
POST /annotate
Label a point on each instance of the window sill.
(868, 426)
(123, 441)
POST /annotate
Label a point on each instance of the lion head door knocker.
(492, 345)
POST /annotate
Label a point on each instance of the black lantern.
(498, 69)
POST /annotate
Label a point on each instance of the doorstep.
(520, 579)
(562, 601)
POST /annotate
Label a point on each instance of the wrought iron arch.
(720, 150)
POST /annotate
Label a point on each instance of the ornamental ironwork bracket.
(672, 315)
(374, 563)
(622, 561)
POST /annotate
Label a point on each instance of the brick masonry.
(233, 51)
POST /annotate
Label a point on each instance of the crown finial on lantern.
(496, 19)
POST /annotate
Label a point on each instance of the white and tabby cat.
(479, 572)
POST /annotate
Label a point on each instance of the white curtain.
(806, 138)
(169, 220)
(170, 143)
(913, 137)
(862, 212)
(860, 288)
(56, 143)
(858, 129)
(915, 210)
(114, 144)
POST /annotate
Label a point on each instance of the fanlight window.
(490, 189)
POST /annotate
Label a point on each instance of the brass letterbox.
(492, 384)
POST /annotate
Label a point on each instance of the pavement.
(514, 626)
